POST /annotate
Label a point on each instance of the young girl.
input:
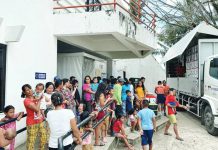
(94, 87)
(119, 131)
(87, 142)
(133, 119)
(140, 93)
(9, 112)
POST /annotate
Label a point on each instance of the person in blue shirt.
(125, 87)
(128, 101)
(147, 125)
(94, 86)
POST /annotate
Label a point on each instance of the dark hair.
(84, 115)
(23, 89)
(57, 99)
(159, 82)
(94, 78)
(164, 81)
(142, 78)
(145, 103)
(40, 84)
(58, 83)
(126, 81)
(87, 77)
(65, 80)
(7, 108)
(131, 111)
(99, 79)
(127, 91)
(171, 89)
(118, 116)
(138, 83)
(48, 84)
(102, 88)
(72, 78)
(114, 81)
(74, 82)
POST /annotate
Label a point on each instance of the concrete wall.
(36, 51)
(146, 67)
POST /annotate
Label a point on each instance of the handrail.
(135, 6)
(11, 120)
(61, 139)
(89, 132)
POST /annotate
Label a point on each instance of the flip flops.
(168, 134)
(179, 138)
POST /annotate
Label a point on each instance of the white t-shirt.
(59, 124)
(48, 96)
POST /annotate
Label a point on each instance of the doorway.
(2, 75)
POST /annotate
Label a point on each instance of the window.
(214, 68)
(2, 75)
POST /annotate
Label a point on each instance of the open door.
(2, 75)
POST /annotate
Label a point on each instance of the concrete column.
(109, 67)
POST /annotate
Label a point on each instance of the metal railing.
(13, 120)
(61, 139)
(143, 15)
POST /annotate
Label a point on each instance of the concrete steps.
(113, 143)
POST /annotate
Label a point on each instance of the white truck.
(193, 71)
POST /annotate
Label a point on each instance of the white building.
(34, 34)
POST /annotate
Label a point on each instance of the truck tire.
(209, 121)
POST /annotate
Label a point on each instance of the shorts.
(105, 124)
(1, 148)
(147, 137)
(161, 99)
(172, 119)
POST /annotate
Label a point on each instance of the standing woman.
(125, 87)
(140, 94)
(60, 121)
(49, 89)
(34, 121)
(87, 93)
(74, 87)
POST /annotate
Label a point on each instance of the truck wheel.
(209, 121)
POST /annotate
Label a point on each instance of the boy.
(147, 125)
(128, 101)
(159, 90)
(170, 111)
(39, 95)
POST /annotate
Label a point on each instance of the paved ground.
(194, 135)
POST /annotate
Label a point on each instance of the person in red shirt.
(34, 121)
(119, 131)
(159, 90)
(171, 103)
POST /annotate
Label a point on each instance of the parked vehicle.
(193, 72)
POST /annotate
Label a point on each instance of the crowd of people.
(57, 107)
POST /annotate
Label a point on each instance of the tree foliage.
(180, 16)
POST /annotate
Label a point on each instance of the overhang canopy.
(178, 48)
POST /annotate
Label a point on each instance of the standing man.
(117, 96)
(147, 125)
(166, 88)
(159, 90)
(171, 104)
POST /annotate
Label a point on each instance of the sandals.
(179, 138)
(168, 134)
(101, 144)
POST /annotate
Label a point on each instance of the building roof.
(178, 48)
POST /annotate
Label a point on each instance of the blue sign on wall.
(39, 75)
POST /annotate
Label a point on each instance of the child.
(6, 137)
(87, 142)
(94, 87)
(9, 114)
(39, 95)
(133, 119)
(119, 131)
(128, 101)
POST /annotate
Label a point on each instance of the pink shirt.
(11, 125)
(87, 95)
(87, 140)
